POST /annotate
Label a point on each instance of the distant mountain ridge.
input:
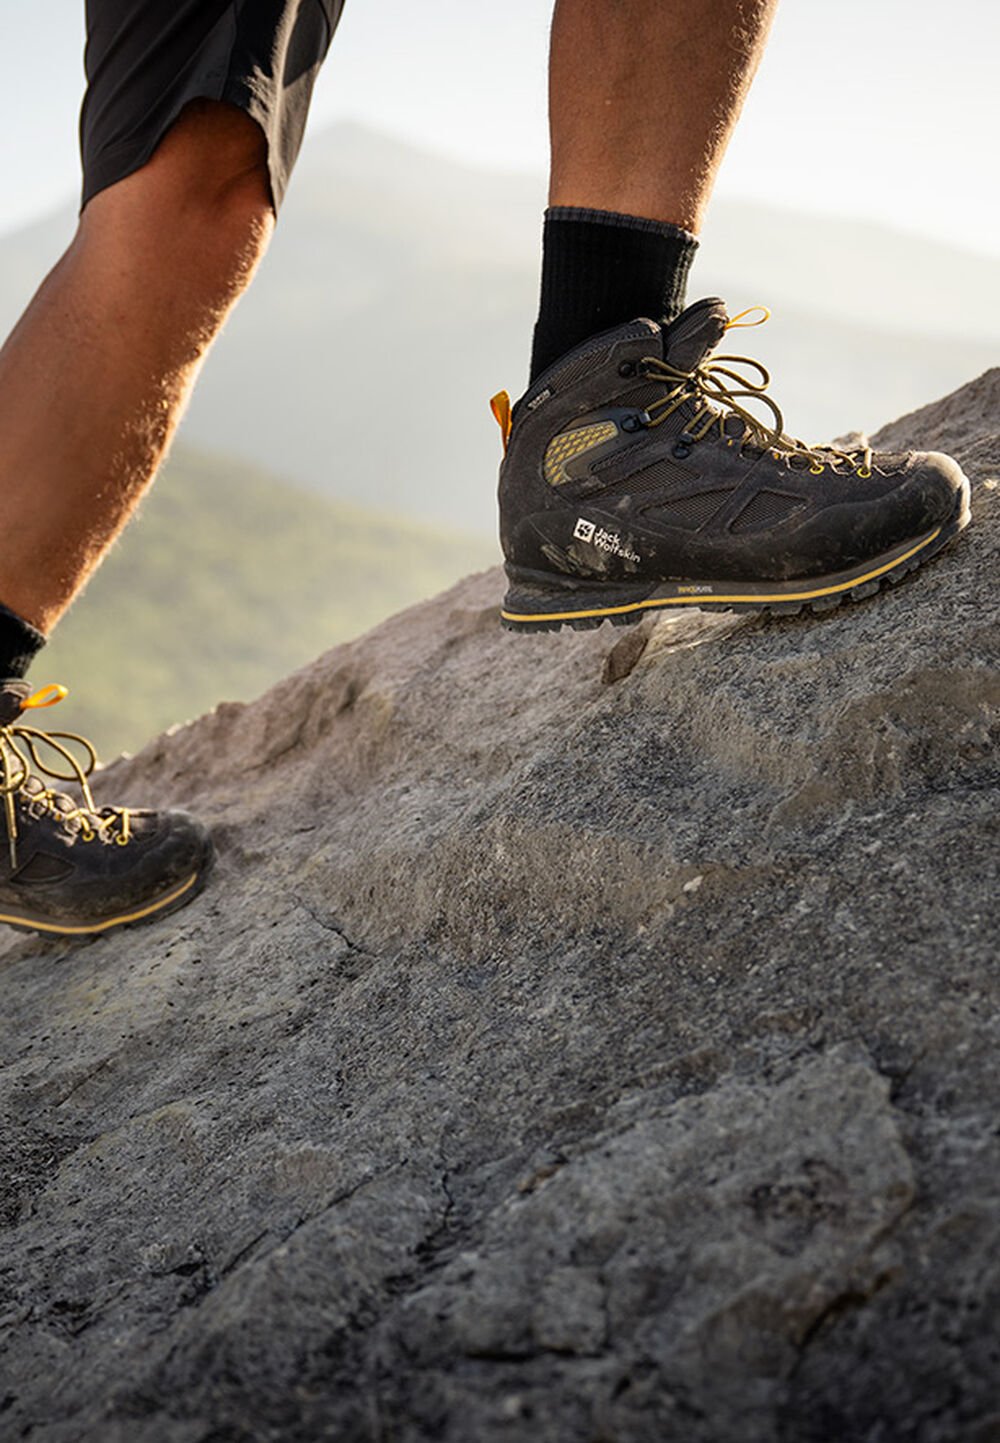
(400, 294)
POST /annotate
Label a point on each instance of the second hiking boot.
(635, 478)
(69, 867)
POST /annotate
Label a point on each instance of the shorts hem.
(118, 162)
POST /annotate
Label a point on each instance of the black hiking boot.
(635, 478)
(73, 868)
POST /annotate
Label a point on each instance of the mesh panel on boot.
(690, 512)
(767, 508)
(641, 396)
(43, 868)
(657, 482)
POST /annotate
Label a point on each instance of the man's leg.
(93, 382)
(644, 96)
(642, 101)
(634, 477)
(95, 377)
(191, 124)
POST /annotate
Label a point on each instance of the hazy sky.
(881, 108)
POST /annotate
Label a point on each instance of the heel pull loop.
(500, 406)
(49, 695)
(738, 323)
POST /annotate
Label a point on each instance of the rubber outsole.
(540, 604)
(172, 901)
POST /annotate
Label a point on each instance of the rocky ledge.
(584, 1039)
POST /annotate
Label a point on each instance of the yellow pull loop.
(48, 696)
(500, 406)
(739, 324)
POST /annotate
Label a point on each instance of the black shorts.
(146, 59)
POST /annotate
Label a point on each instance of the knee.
(213, 157)
(205, 192)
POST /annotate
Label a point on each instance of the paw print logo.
(584, 530)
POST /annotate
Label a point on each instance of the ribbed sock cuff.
(617, 218)
(20, 643)
(600, 269)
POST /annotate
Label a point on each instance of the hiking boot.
(71, 867)
(635, 478)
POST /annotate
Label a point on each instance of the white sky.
(885, 109)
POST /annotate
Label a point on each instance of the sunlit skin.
(96, 375)
(644, 95)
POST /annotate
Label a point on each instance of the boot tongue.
(695, 333)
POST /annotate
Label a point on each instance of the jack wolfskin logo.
(604, 540)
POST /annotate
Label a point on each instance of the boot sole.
(171, 901)
(537, 601)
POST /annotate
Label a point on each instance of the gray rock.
(585, 1037)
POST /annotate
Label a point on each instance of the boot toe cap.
(943, 488)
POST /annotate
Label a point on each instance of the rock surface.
(585, 1039)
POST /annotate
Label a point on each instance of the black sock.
(601, 269)
(19, 644)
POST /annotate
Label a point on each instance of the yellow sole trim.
(703, 598)
(86, 931)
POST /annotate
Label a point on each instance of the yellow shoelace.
(19, 759)
(718, 390)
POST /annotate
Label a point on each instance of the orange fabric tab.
(500, 406)
(48, 696)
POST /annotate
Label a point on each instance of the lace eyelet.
(87, 836)
(627, 368)
(865, 472)
(817, 470)
(121, 841)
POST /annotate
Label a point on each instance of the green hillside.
(227, 580)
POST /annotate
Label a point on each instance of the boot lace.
(20, 764)
(718, 390)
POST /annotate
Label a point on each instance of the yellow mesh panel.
(564, 447)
